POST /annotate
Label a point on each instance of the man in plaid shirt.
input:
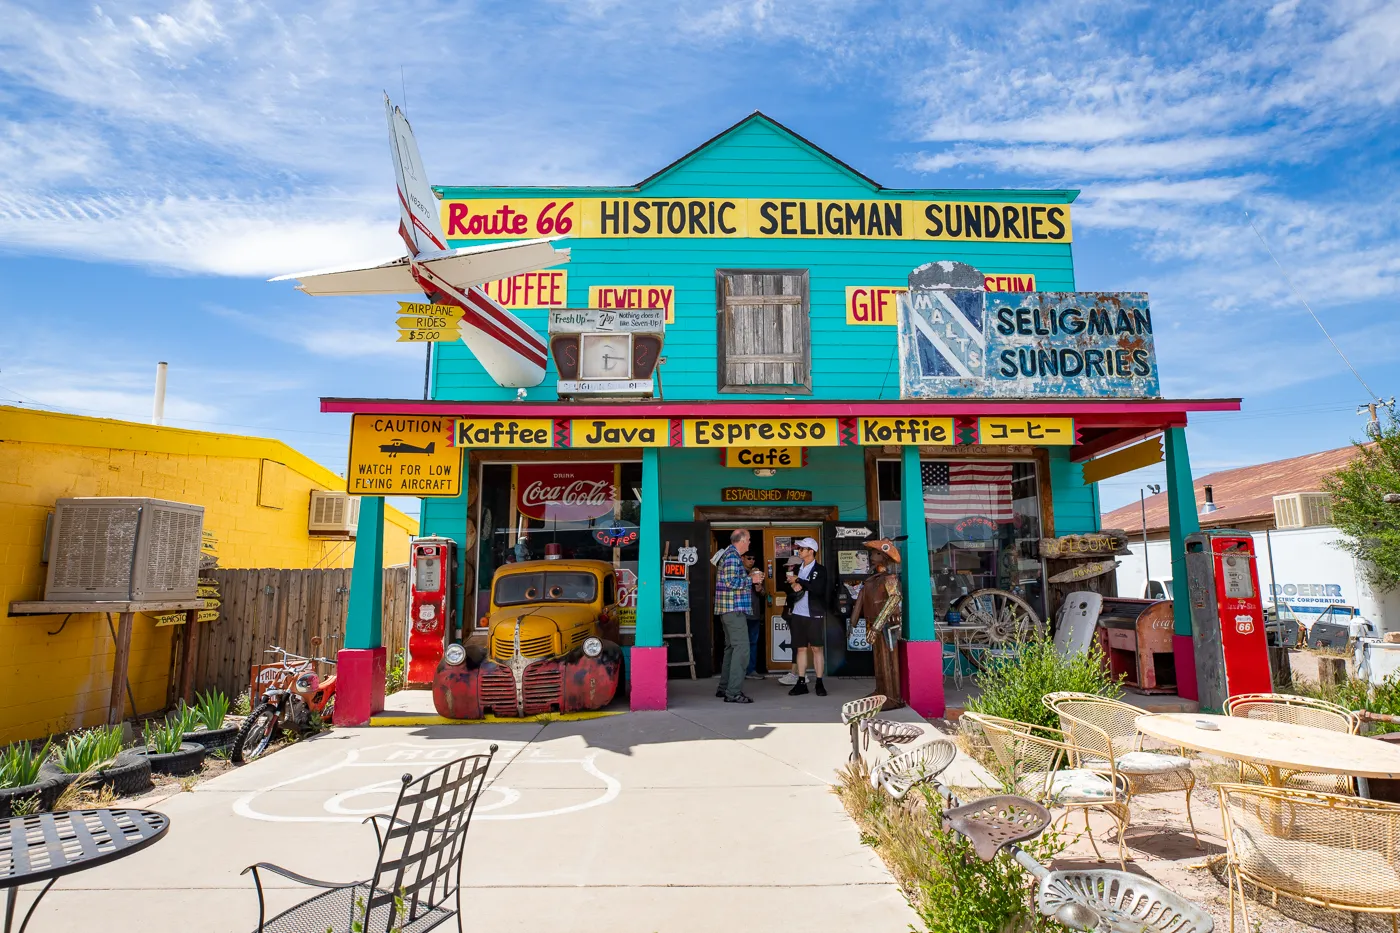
(733, 602)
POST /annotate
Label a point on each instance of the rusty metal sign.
(959, 341)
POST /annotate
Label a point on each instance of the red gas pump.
(432, 606)
(1227, 617)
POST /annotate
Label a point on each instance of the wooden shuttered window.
(765, 334)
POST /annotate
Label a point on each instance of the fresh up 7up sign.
(959, 341)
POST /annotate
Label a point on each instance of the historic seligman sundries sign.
(958, 340)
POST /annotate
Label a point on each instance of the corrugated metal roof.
(1245, 494)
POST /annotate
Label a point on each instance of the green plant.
(184, 718)
(1013, 687)
(397, 676)
(25, 806)
(1357, 694)
(210, 708)
(79, 795)
(1370, 526)
(19, 763)
(89, 750)
(165, 738)
(243, 705)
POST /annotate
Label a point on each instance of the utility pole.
(1146, 564)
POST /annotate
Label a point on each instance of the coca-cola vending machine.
(432, 606)
(1227, 617)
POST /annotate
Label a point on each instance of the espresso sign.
(745, 494)
(762, 432)
(1098, 544)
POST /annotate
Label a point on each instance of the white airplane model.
(510, 350)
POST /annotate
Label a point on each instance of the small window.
(765, 343)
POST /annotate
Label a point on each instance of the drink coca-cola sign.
(565, 492)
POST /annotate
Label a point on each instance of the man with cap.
(807, 586)
(879, 604)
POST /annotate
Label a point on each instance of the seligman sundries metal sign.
(958, 340)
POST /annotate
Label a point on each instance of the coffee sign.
(505, 432)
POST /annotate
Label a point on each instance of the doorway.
(771, 545)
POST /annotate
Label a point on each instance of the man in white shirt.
(808, 586)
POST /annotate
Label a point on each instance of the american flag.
(954, 491)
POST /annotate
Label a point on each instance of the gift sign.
(565, 492)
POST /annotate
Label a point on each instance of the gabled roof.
(1245, 494)
(758, 116)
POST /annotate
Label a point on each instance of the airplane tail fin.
(419, 223)
(431, 445)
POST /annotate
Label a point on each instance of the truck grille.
(544, 688)
(498, 692)
(540, 646)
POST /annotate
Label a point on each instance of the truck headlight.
(455, 653)
(592, 647)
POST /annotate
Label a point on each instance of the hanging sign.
(763, 457)
(1095, 544)
(1026, 430)
(746, 494)
(634, 296)
(741, 432)
(620, 432)
(1085, 571)
(673, 570)
(403, 455)
(905, 431)
(505, 432)
(564, 492)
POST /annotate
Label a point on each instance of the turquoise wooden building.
(798, 387)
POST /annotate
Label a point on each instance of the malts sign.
(759, 218)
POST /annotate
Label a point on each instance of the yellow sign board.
(758, 218)
(505, 432)
(620, 432)
(445, 335)
(427, 322)
(635, 296)
(451, 312)
(403, 455)
(1129, 458)
(761, 457)
(548, 288)
(1025, 430)
(748, 432)
(905, 431)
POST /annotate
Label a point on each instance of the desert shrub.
(1012, 687)
(397, 676)
(1356, 694)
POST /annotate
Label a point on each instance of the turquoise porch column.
(649, 553)
(1181, 512)
(921, 655)
(364, 619)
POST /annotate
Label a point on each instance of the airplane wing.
(461, 268)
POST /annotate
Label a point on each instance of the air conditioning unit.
(333, 513)
(120, 548)
(1302, 510)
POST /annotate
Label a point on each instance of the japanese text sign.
(1025, 430)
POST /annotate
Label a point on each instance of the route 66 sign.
(688, 555)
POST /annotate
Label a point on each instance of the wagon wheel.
(1001, 619)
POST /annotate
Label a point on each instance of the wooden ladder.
(689, 642)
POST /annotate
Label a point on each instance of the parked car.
(552, 645)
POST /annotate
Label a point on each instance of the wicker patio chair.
(1297, 711)
(419, 867)
(1107, 729)
(1032, 760)
(1328, 850)
(919, 765)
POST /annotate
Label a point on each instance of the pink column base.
(1184, 653)
(647, 675)
(359, 685)
(921, 677)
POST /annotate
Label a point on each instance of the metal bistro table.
(1276, 747)
(45, 846)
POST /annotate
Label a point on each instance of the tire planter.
(47, 789)
(128, 776)
(212, 739)
(186, 761)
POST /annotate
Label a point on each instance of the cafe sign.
(742, 432)
(763, 457)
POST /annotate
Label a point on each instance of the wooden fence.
(287, 608)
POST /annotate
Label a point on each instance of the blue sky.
(159, 161)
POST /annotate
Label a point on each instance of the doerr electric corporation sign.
(958, 340)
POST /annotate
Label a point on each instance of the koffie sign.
(959, 341)
(758, 218)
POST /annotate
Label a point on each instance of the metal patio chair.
(920, 765)
(1297, 711)
(1105, 730)
(1031, 760)
(1328, 850)
(418, 871)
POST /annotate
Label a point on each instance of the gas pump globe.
(431, 606)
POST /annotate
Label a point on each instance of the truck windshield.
(517, 588)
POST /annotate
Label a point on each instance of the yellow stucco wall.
(56, 682)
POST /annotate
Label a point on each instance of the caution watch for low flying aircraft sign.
(403, 455)
(427, 323)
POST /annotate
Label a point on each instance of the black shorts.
(806, 632)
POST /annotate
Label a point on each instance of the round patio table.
(1276, 747)
(46, 846)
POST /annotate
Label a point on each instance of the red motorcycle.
(292, 692)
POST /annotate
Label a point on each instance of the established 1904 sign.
(959, 341)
